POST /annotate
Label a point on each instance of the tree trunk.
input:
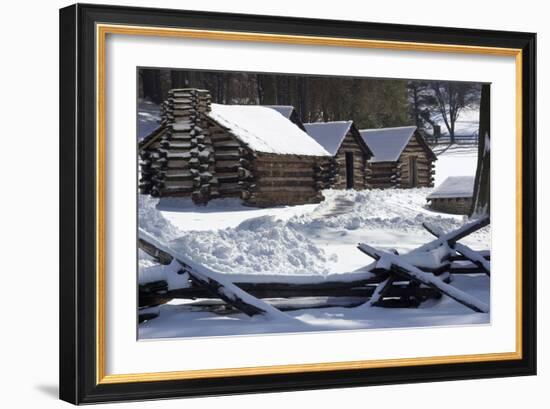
(481, 203)
(452, 133)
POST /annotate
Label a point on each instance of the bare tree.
(450, 98)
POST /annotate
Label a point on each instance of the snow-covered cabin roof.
(264, 129)
(453, 187)
(329, 134)
(387, 144)
(284, 110)
(288, 112)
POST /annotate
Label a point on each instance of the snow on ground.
(455, 160)
(224, 213)
(310, 239)
(185, 320)
(307, 241)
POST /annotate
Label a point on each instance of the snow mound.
(256, 246)
(395, 209)
(318, 240)
(154, 221)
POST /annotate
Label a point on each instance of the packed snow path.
(340, 206)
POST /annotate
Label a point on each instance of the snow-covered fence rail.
(353, 285)
(486, 254)
(393, 280)
(451, 238)
(425, 263)
(157, 292)
(465, 251)
(403, 268)
(214, 282)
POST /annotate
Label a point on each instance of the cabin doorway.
(413, 171)
(349, 170)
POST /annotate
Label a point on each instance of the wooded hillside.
(372, 103)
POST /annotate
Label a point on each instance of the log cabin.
(453, 196)
(206, 151)
(401, 158)
(344, 142)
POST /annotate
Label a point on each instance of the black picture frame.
(78, 236)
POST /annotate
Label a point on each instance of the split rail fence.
(393, 280)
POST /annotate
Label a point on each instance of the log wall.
(350, 144)
(455, 205)
(425, 167)
(232, 161)
(381, 175)
(286, 180)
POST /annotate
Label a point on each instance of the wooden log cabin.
(207, 151)
(453, 196)
(344, 142)
(402, 158)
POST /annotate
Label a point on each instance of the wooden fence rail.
(393, 280)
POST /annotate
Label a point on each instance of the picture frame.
(83, 218)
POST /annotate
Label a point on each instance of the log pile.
(393, 281)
